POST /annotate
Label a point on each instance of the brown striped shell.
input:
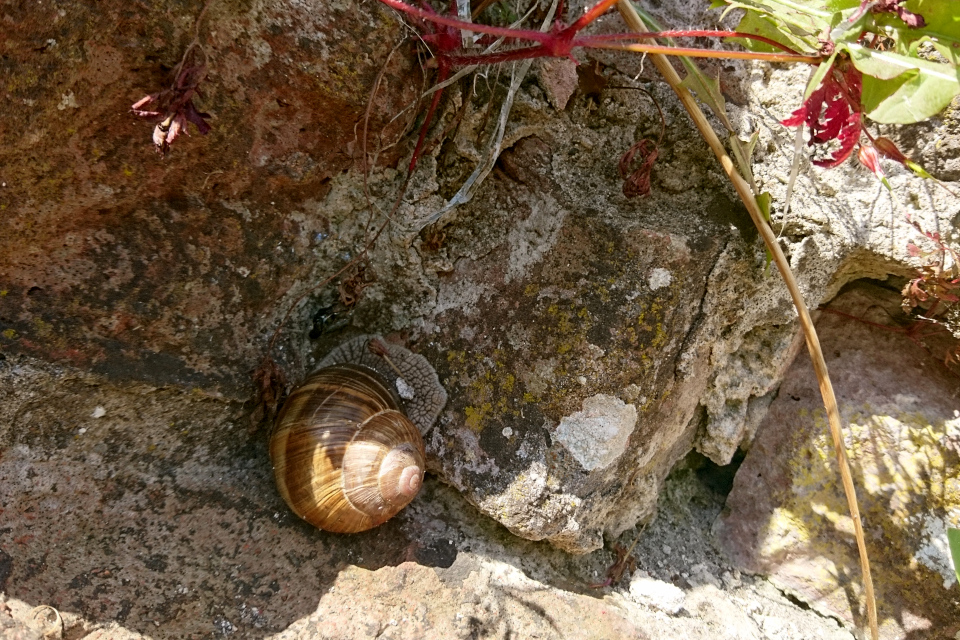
(345, 457)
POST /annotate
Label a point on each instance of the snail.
(347, 450)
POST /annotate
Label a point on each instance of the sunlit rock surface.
(787, 515)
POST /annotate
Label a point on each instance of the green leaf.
(764, 200)
(953, 537)
(768, 27)
(743, 154)
(842, 5)
(819, 75)
(942, 25)
(875, 91)
(926, 88)
(708, 91)
(804, 18)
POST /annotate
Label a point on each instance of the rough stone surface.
(473, 598)
(787, 515)
(656, 594)
(158, 520)
(598, 435)
(172, 270)
(546, 287)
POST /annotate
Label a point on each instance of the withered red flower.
(895, 6)
(174, 107)
(637, 182)
(833, 112)
(888, 149)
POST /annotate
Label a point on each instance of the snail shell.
(345, 456)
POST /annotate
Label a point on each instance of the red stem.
(592, 14)
(442, 74)
(536, 36)
(559, 41)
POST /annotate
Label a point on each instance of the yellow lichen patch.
(910, 491)
(475, 416)
(487, 386)
(42, 329)
(784, 530)
(9, 334)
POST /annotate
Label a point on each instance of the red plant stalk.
(561, 40)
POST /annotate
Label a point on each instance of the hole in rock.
(717, 478)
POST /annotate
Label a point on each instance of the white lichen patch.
(68, 101)
(598, 435)
(934, 549)
(405, 390)
(656, 594)
(659, 278)
(533, 237)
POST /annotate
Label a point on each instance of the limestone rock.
(787, 515)
(598, 435)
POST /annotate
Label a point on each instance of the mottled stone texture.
(546, 288)
(143, 513)
(787, 515)
(471, 599)
(169, 270)
(583, 322)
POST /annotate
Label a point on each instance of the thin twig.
(633, 20)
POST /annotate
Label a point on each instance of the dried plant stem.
(634, 21)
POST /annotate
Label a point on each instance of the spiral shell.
(345, 457)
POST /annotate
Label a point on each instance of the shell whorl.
(345, 457)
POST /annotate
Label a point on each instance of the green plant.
(953, 538)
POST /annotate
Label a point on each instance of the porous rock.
(787, 515)
(544, 288)
(598, 435)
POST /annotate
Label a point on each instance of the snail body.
(346, 458)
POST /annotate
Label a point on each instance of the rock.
(170, 270)
(721, 614)
(558, 77)
(167, 490)
(787, 515)
(599, 434)
(544, 291)
(472, 598)
(656, 593)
